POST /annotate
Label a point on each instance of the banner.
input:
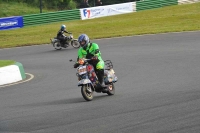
(102, 11)
(187, 1)
(11, 22)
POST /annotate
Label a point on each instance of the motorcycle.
(70, 40)
(88, 79)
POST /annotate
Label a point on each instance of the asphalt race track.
(158, 89)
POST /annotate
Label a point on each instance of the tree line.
(65, 4)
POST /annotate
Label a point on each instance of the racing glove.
(76, 65)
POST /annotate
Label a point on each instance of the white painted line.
(31, 77)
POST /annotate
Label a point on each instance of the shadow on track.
(64, 101)
(57, 102)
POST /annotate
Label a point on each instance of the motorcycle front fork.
(88, 88)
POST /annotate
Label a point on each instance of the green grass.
(168, 19)
(17, 9)
(6, 62)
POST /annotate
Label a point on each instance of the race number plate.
(82, 70)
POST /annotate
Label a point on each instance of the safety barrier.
(151, 4)
(43, 18)
(12, 73)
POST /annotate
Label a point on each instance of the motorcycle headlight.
(82, 70)
(81, 61)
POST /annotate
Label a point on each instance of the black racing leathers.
(61, 37)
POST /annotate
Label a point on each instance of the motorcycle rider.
(91, 51)
(60, 35)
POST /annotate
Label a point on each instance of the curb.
(12, 73)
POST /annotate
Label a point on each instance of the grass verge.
(6, 62)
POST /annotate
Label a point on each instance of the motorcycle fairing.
(84, 81)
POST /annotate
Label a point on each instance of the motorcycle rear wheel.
(88, 96)
(57, 46)
(111, 89)
(75, 44)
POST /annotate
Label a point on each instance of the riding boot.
(64, 42)
(101, 79)
(61, 43)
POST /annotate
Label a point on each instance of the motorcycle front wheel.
(87, 92)
(75, 44)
